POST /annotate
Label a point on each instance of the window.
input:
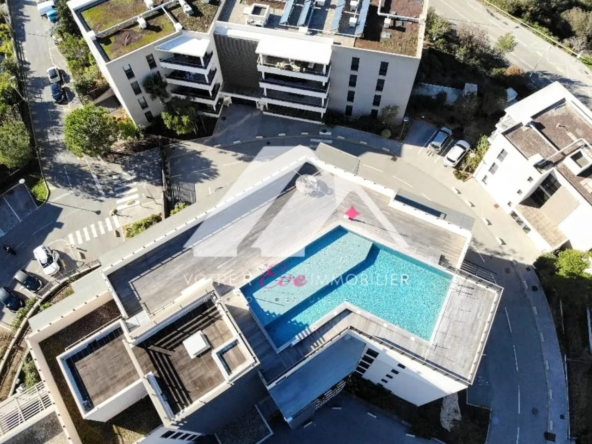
(167, 434)
(136, 88)
(384, 381)
(353, 80)
(149, 116)
(372, 353)
(502, 155)
(374, 114)
(348, 110)
(351, 95)
(396, 372)
(355, 64)
(143, 103)
(379, 85)
(151, 61)
(520, 222)
(129, 72)
(376, 101)
(484, 180)
(543, 193)
(510, 203)
(368, 359)
(364, 365)
(383, 68)
(529, 179)
(493, 169)
(519, 192)
(401, 366)
(389, 376)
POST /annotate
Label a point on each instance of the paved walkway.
(526, 398)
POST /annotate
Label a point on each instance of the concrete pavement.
(545, 62)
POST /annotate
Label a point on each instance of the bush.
(30, 373)
(45, 306)
(20, 315)
(142, 225)
(179, 207)
(386, 133)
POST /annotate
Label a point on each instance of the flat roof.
(345, 23)
(303, 50)
(187, 45)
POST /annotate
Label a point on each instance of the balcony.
(293, 68)
(198, 65)
(293, 113)
(298, 101)
(296, 86)
(197, 95)
(192, 80)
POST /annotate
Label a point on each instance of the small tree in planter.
(181, 116)
(156, 86)
(389, 115)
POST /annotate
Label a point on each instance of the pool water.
(342, 266)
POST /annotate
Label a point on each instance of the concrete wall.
(428, 89)
(118, 403)
(416, 383)
(398, 81)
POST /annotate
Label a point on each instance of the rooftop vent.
(187, 9)
(353, 5)
(579, 161)
(353, 21)
(149, 3)
(388, 22)
(178, 26)
(256, 15)
(142, 23)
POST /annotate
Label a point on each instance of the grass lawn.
(110, 13)
(125, 428)
(38, 187)
(129, 39)
(201, 21)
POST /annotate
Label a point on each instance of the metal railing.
(295, 84)
(23, 406)
(191, 61)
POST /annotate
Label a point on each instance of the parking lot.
(15, 205)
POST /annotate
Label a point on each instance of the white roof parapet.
(186, 45)
(295, 49)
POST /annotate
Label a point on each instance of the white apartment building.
(297, 58)
(191, 318)
(538, 168)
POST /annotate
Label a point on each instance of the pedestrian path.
(95, 230)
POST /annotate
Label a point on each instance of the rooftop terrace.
(553, 129)
(347, 22)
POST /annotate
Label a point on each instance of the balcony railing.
(190, 77)
(196, 93)
(293, 112)
(295, 66)
(295, 98)
(191, 61)
(299, 84)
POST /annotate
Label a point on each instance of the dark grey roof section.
(225, 408)
(339, 158)
(238, 61)
(317, 376)
(445, 213)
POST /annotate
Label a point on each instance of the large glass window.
(355, 63)
(129, 72)
(353, 80)
(348, 110)
(151, 61)
(383, 68)
(351, 95)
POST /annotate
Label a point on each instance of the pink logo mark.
(284, 279)
(352, 213)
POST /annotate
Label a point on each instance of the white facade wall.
(578, 227)
(416, 383)
(397, 87)
(118, 403)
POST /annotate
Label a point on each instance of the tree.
(76, 52)
(580, 22)
(66, 23)
(494, 100)
(476, 155)
(180, 115)
(466, 107)
(572, 263)
(389, 116)
(128, 129)
(156, 86)
(436, 27)
(90, 130)
(506, 43)
(15, 144)
(10, 66)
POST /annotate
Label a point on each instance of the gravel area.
(46, 431)
(248, 429)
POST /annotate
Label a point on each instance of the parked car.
(456, 153)
(26, 280)
(45, 7)
(53, 16)
(9, 299)
(440, 140)
(54, 75)
(57, 92)
(48, 259)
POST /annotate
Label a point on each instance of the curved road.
(545, 62)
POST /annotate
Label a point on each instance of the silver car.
(440, 140)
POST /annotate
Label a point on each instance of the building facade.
(538, 168)
(297, 59)
(191, 317)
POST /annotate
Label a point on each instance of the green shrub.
(20, 315)
(30, 373)
(142, 225)
(386, 133)
(179, 207)
(45, 306)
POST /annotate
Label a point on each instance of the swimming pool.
(339, 267)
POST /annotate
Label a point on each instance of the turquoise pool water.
(342, 266)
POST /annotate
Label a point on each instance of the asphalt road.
(545, 63)
(76, 220)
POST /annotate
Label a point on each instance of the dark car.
(27, 281)
(57, 93)
(9, 300)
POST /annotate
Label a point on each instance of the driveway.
(345, 420)
(543, 61)
(512, 379)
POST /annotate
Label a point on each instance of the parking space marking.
(127, 199)
(71, 239)
(116, 222)
(109, 226)
(372, 168)
(231, 163)
(401, 180)
(426, 197)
